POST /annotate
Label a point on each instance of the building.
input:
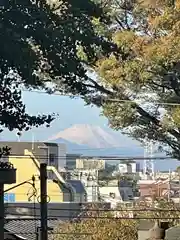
(127, 167)
(81, 194)
(89, 179)
(53, 154)
(110, 191)
(87, 171)
(159, 188)
(26, 159)
(126, 190)
(28, 166)
(71, 161)
(26, 229)
(119, 190)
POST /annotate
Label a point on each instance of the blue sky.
(71, 111)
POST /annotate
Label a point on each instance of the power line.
(103, 217)
(107, 148)
(101, 210)
(99, 148)
(110, 100)
(104, 148)
(113, 158)
(94, 148)
(51, 233)
(109, 158)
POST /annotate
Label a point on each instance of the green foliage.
(132, 46)
(178, 170)
(159, 210)
(96, 225)
(4, 151)
(40, 43)
(149, 73)
(143, 66)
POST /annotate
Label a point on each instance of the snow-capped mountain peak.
(92, 136)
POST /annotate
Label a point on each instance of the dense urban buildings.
(75, 180)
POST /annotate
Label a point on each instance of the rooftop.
(27, 228)
(77, 185)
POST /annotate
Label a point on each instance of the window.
(52, 158)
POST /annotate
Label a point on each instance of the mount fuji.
(94, 140)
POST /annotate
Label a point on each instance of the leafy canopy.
(131, 46)
(97, 224)
(143, 70)
(40, 42)
(149, 75)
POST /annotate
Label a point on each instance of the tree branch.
(139, 109)
(155, 121)
(100, 87)
(119, 22)
(175, 85)
(161, 86)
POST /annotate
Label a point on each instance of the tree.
(97, 225)
(148, 73)
(158, 210)
(141, 72)
(41, 42)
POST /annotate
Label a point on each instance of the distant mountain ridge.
(88, 151)
(93, 140)
(85, 134)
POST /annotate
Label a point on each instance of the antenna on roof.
(18, 137)
(32, 141)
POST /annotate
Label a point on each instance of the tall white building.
(89, 178)
(128, 167)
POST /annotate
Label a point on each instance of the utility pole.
(169, 186)
(1, 211)
(7, 176)
(43, 203)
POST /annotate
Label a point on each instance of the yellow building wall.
(26, 168)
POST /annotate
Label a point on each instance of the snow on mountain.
(91, 140)
(92, 136)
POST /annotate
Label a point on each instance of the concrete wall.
(80, 197)
(64, 211)
(143, 234)
(26, 168)
(105, 191)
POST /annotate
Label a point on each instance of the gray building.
(54, 154)
(81, 194)
(71, 161)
